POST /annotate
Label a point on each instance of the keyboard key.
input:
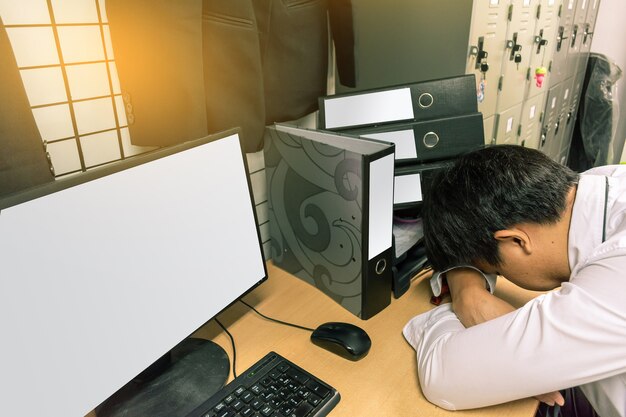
(317, 388)
(302, 410)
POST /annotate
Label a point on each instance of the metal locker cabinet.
(549, 121)
(507, 125)
(543, 45)
(530, 121)
(487, 36)
(518, 45)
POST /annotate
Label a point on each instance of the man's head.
(487, 191)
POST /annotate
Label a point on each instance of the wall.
(608, 39)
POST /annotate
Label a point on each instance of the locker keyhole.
(481, 55)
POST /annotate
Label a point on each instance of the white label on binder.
(404, 140)
(380, 222)
(368, 108)
(532, 112)
(553, 102)
(407, 189)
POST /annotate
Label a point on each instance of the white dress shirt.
(573, 336)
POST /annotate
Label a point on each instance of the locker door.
(530, 121)
(543, 45)
(550, 122)
(565, 118)
(587, 35)
(578, 24)
(518, 46)
(485, 53)
(558, 70)
(488, 125)
(572, 109)
(507, 126)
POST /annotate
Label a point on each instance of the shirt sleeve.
(558, 340)
(436, 284)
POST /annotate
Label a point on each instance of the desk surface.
(384, 383)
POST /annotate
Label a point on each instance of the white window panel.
(75, 11)
(88, 80)
(262, 212)
(255, 160)
(100, 148)
(103, 11)
(259, 187)
(129, 148)
(81, 43)
(64, 156)
(44, 85)
(54, 122)
(94, 115)
(24, 12)
(121, 112)
(114, 78)
(107, 41)
(33, 46)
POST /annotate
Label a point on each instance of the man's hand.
(471, 301)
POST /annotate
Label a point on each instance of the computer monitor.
(104, 272)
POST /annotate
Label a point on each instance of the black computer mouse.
(344, 339)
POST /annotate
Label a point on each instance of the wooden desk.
(382, 384)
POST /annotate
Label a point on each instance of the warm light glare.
(74, 92)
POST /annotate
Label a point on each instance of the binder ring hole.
(381, 265)
(430, 139)
(425, 100)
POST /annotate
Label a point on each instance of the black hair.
(487, 190)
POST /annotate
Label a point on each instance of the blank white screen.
(99, 280)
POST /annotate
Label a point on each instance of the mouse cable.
(276, 320)
(232, 341)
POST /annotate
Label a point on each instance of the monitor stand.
(175, 385)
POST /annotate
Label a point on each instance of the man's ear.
(514, 238)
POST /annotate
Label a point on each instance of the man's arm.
(471, 301)
(474, 304)
(561, 339)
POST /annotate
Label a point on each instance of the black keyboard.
(272, 387)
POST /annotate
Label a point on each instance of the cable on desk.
(232, 341)
(276, 320)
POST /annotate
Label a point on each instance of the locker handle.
(574, 33)
(586, 33)
(560, 38)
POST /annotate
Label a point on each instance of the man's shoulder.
(607, 170)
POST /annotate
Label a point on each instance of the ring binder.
(331, 213)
